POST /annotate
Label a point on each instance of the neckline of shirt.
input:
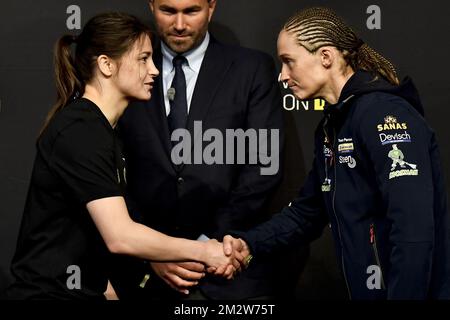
(98, 111)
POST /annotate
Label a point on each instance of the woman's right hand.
(217, 262)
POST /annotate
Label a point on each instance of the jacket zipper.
(334, 211)
(373, 242)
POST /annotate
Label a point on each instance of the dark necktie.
(178, 101)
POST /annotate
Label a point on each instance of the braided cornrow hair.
(318, 27)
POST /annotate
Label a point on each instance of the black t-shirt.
(78, 160)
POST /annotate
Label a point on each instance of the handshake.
(227, 258)
(221, 259)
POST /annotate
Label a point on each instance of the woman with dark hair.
(75, 213)
(376, 179)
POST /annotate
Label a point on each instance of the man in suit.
(224, 87)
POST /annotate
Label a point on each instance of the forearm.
(284, 230)
(299, 223)
(141, 241)
(124, 236)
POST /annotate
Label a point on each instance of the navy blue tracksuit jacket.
(377, 181)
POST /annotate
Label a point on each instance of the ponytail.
(66, 78)
(369, 60)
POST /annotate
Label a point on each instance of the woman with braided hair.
(376, 179)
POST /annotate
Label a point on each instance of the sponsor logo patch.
(345, 140)
(391, 123)
(400, 167)
(349, 160)
(328, 153)
(346, 147)
(394, 138)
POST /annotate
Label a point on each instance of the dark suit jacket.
(236, 88)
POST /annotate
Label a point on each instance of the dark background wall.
(413, 35)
